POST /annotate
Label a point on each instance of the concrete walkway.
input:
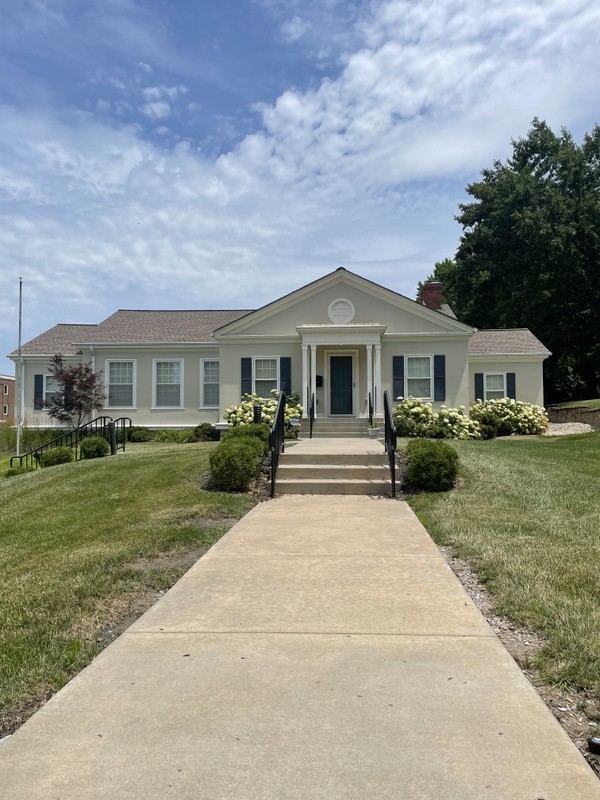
(322, 649)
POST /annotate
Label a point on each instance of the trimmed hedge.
(57, 455)
(257, 432)
(205, 432)
(94, 447)
(432, 464)
(12, 471)
(234, 464)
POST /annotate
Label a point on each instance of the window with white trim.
(6, 388)
(266, 376)
(494, 385)
(120, 384)
(5, 410)
(418, 376)
(52, 393)
(209, 382)
(168, 383)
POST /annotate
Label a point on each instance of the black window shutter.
(285, 375)
(398, 376)
(439, 377)
(511, 385)
(246, 383)
(479, 386)
(38, 392)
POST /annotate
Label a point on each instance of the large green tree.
(529, 255)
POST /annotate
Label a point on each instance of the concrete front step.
(332, 486)
(340, 429)
(340, 435)
(333, 472)
(292, 456)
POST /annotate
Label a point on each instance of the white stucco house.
(341, 338)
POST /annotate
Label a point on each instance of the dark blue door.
(341, 384)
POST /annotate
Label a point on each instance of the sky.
(202, 154)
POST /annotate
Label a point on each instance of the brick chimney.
(431, 296)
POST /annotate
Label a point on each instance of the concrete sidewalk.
(322, 649)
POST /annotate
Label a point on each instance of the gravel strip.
(565, 428)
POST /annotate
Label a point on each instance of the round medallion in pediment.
(341, 311)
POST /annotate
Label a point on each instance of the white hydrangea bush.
(511, 416)
(244, 413)
(416, 418)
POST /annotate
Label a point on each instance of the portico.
(341, 368)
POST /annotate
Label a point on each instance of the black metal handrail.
(311, 414)
(370, 411)
(277, 439)
(390, 438)
(72, 439)
(121, 425)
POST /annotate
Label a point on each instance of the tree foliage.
(80, 392)
(529, 255)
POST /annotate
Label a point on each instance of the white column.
(313, 373)
(305, 395)
(370, 374)
(378, 395)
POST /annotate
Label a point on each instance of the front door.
(341, 384)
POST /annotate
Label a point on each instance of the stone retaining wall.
(587, 415)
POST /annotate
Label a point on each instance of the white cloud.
(364, 170)
(294, 28)
(158, 109)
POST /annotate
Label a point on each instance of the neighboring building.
(341, 338)
(7, 400)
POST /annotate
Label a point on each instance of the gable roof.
(161, 326)
(58, 339)
(343, 275)
(505, 341)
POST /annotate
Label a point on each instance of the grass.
(592, 405)
(67, 537)
(528, 518)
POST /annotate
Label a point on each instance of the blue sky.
(178, 154)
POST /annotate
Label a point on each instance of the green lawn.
(593, 405)
(67, 536)
(528, 518)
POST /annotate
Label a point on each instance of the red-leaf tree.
(80, 391)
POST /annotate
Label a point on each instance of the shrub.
(12, 471)
(94, 447)
(244, 413)
(234, 464)
(184, 436)
(205, 432)
(137, 433)
(57, 455)
(431, 465)
(258, 432)
(511, 416)
(416, 418)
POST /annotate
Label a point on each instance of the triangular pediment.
(339, 298)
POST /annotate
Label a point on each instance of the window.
(266, 376)
(418, 377)
(5, 410)
(120, 384)
(494, 386)
(209, 382)
(168, 384)
(6, 388)
(52, 392)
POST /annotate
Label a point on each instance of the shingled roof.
(58, 339)
(161, 326)
(509, 341)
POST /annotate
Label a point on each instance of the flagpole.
(20, 381)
